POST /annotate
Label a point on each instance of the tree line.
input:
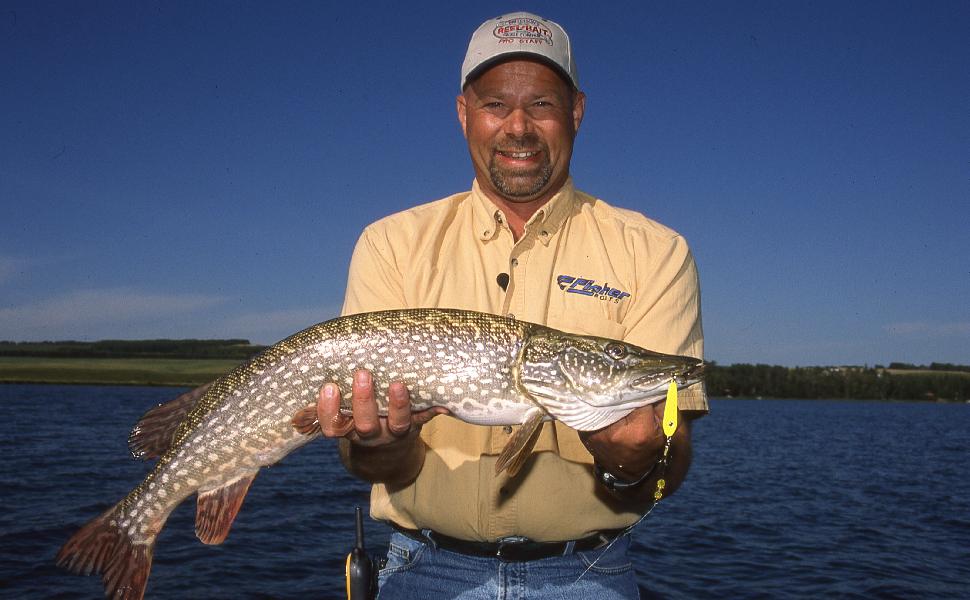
(227, 349)
(900, 381)
(850, 383)
(932, 367)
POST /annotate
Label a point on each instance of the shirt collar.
(489, 219)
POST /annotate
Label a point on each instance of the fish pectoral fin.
(152, 435)
(305, 420)
(217, 509)
(520, 445)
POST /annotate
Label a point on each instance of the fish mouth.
(692, 374)
(684, 375)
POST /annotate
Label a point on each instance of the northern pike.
(485, 369)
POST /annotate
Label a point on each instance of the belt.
(513, 549)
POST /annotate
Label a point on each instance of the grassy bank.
(113, 371)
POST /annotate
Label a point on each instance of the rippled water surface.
(786, 499)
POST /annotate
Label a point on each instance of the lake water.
(786, 499)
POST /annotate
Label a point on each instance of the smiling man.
(522, 242)
(520, 118)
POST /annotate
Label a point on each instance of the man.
(525, 243)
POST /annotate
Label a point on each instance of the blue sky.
(202, 169)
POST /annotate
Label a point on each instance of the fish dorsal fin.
(519, 447)
(305, 420)
(217, 509)
(152, 435)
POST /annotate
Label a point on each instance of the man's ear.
(461, 106)
(579, 109)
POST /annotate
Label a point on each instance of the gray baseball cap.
(519, 33)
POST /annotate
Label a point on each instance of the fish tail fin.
(102, 547)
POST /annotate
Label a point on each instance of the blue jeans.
(417, 570)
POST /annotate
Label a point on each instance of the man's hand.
(633, 445)
(375, 448)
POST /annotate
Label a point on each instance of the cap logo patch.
(522, 30)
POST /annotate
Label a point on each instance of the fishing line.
(669, 428)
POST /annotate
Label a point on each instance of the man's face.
(520, 119)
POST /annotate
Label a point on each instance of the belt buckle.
(509, 543)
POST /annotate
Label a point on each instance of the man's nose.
(518, 123)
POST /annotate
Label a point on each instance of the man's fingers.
(366, 419)
(398, 409)
(367, 426)
(332, 422)
(422, 417)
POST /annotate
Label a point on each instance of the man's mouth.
(518, 156)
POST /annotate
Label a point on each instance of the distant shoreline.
(734, 381)
(167, 372)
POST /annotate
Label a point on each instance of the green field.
(113, 371)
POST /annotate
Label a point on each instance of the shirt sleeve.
(667, 314)
(665, 317)
(374, 281)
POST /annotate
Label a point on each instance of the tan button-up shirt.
(581, 266)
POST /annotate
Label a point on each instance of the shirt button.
(544, 233)
(507, 429)
(510, 315)
(515, 262)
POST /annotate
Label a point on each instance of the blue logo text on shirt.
(589, 287)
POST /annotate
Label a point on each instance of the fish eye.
(615, 350)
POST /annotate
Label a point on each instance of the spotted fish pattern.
(485, 369)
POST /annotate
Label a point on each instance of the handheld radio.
(360, 572)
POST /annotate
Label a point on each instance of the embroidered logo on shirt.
(589, 287)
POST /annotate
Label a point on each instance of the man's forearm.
(633, 449)
(397, 463)
(673, 473)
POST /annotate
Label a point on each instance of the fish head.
(589, 382)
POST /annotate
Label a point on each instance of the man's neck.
(517, 214)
